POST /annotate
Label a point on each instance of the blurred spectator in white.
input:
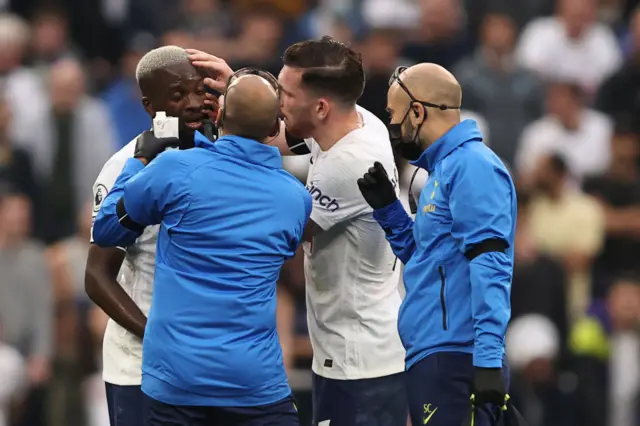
(50, 41)
(567, 225)
(24, 89)
(398, 15)
(570, 45)
(123, 97)
(492, 83)
(14, 380)
(620, 94)
(580, 134)
(533, 349)
(16, 169)
(618, 190)
(72, 144)
(606, 347)
(539, 281)
(441, 36)
(26, 302)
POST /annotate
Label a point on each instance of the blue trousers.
(125, 405)
(281, 413)
(380, 401)
(438, 390)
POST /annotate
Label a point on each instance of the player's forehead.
(290, 78)
(178, 74)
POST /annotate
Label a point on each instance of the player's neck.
(340, 126)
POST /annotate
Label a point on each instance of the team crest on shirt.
(101, 192)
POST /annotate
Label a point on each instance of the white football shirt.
(122, 350)
(351, 273)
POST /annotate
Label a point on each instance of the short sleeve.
(104, 183)
(334, 191)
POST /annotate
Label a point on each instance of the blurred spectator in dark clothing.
(123, 98)
(571, 46)
(16, 170)
(620, 94)
(618, 189)
(508, 96)
(50, 41)
(258, 44)
(537, 388)
(605, 348)
(539, 282)
(441, 37)
(569, 127)
(380, 54)
(206, 18)
(71, 146)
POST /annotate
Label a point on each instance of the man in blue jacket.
(229, 216)
(458, 253)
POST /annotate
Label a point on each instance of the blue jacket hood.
(249, 150)
(461, 133)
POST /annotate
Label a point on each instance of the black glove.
(376, 188)
(148, 146)
(488, 387)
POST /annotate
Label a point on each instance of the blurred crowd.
(555, 86)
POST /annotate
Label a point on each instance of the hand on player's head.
(217, 70)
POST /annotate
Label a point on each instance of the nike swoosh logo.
(426, 420)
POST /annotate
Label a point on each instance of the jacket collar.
(461, 133)
(245, 149)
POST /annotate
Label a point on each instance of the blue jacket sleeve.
(398, 228)
(482, 208)
(146, 196)
(107, 231)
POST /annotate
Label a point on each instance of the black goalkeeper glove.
(148, 146)
(488, 386)
(376, 188)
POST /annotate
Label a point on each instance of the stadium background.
(542, 78)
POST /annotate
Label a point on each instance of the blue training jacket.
(229, 216)
(451, 303)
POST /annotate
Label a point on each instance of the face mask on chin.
(411, 150)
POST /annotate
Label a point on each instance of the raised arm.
(141, 194)
(378, 190)
(218, 73)
(483, 211)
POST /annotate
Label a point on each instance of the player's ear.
(146, 103)
(322, 108)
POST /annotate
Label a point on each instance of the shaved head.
(431, 83)
(424, 117)
(251, 108)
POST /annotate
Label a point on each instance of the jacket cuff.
(488, 354)
(390, 215)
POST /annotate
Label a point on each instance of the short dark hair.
(558, 164)
(328, 66)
